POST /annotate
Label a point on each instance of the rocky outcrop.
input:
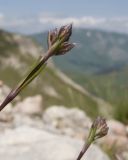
(117, 135)
(35, 144)
(117, 139)
(116, 127)
(75, 123)
(67, 129)
(6, 113)
(4, 90)
(30, 106)
(72, 122)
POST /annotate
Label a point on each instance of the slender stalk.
(98, 129)
(16, 91)
(57, 45)
(85, 148)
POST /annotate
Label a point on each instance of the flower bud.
(100, 127)
(65, 47)
(52, 37)
(58, 40)
(65, 32)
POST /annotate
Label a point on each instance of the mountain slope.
(96, 52)
(99, 63)
(18, 53)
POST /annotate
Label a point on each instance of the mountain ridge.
(93, 47)
(18, 53)
(99, 63)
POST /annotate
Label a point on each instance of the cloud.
(1, 18)
(47, 21)
(119, 24)
(78, 22)
(22, 25)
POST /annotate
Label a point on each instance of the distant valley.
(100, 64)
(17, 55)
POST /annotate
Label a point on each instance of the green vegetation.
(96, 52)
(49, 84)
(113, 88)
(100, 64)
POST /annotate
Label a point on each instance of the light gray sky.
(29, 16)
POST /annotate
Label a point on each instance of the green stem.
(85, 148)
(33, 73)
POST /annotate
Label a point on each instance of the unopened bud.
(58, 40)
(65, 47)
(52, 37)
(101, 128)
(65, 32)
(98, 129)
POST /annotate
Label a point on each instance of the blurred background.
(74, 89)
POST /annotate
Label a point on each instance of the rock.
(1, 83)
(6, 115)
(50, 91)
(115, 140)
(6, 118)
(125, 155)
(127, 130)
(35, 144)
(4, 90)
(116, 127)
(72, 122)
(33, 121)
(30, 106)
(116, 136)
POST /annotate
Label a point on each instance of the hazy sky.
(28, 16)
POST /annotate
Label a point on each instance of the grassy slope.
(114, 88)
(65, 94)
(96, 52)
(100, 64)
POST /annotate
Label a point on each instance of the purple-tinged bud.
(101, 127)
(118, 157)
(58, 40)
(98, 130)
(52, 37)
(65, 47)
(65, 32)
